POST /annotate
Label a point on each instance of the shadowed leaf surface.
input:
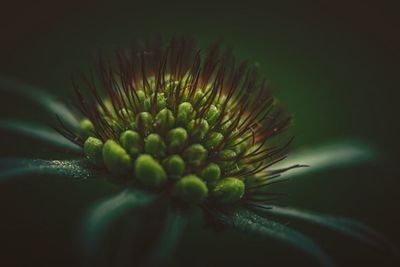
(346, 226)
(250, 222)
(175, 223)
(17, 167)
(42, 99)
(103, 216)
(36, 133)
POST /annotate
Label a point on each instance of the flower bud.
(214, 140)
(195, 155)
(227, 157)
(225, 125)
(144, 123)
(86, 129)
(116, 159)
(161, 103)
(228, 190)
(165, 120)
(149, 171)
(220, 101)
(211, 173)
(199, 98)
(191, 189)
(177, 139)
(185, 112)
(107, 106)
(131, 141)
(240, 146)
(154, 145)
(141, 95)
(175, 166)
(212, 114)
(116, 127)
(170, 87)
(126, 114)
(198, 129)
(93, 150)
(147, 104)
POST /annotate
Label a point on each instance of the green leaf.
(250, 222)
(105, 213)
(345, 226)
(17, 167)
(42, 99)
(39, 133)
(174, 226)
(325, 158)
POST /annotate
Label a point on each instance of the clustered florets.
(176, 120)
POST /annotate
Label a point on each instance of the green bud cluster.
(189, 145)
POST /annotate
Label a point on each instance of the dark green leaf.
(44, 100)
(346, 226)
(175, 223)
(106, 212)
(250, 222)
(39, 133)
(325, 158)
(17, 167)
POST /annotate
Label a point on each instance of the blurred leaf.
(346, 226)
(39, 133)
(105, 213)
(175, 223)
(17, 167)
(326, 158)
(250, 222)
(44, 100)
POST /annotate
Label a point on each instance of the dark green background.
(334, 65)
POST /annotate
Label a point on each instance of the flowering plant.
(179, 129)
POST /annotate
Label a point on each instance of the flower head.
(182, 120)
